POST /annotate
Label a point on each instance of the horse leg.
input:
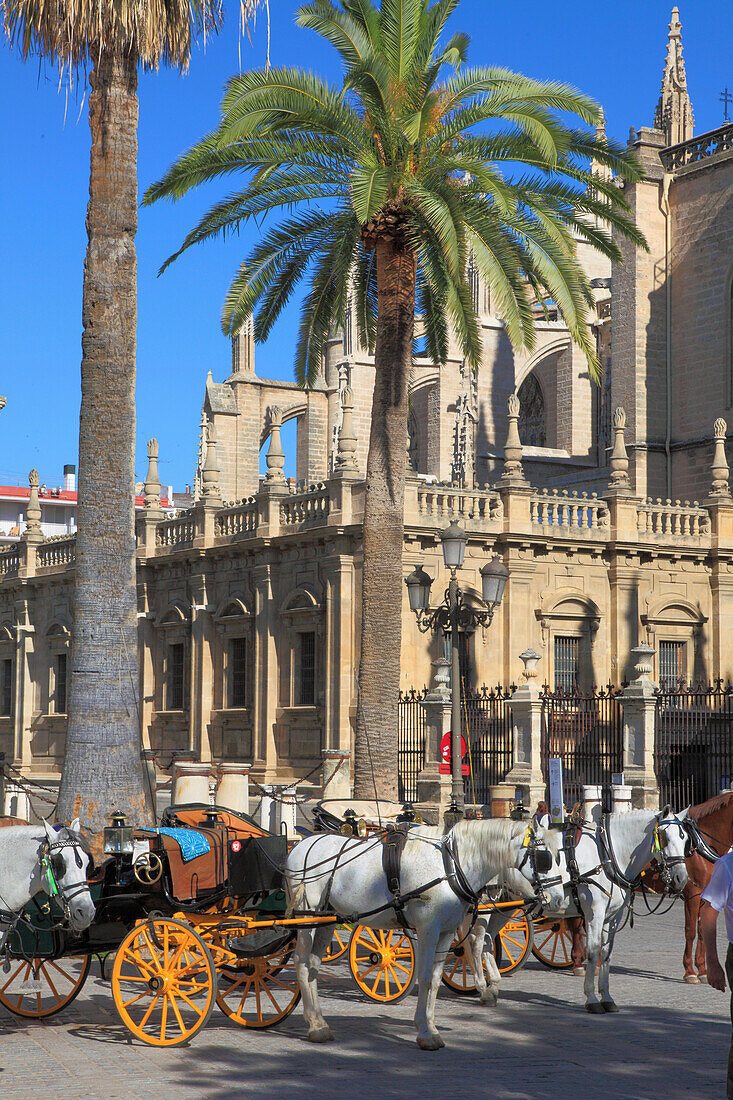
(432, 948)
(594, 937)
(607, 1001)
(692, 907)
(577, 950)
(309, 951)
(701, 962)
(481, 957)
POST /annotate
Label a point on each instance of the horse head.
(66, 863)
(671, 845)
(541, 864)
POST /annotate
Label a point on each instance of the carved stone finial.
(210, 472)
(33, 511)
(531, 659)
(513, 472)
(720, 470)
(601, 125)
(152, 481)
(619, 458)
(275, 459)
(674, 115)
(346, 457)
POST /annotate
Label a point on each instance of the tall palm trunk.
(381, 624)
(102, 766)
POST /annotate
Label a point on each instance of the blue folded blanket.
(191, 842)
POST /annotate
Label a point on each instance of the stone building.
(609, 504)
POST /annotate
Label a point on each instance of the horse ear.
(50, 836)
(666, 812)
(76, 826)
(682, 815)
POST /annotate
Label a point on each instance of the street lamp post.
(450, 617)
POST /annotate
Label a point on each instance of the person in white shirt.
(718, 894)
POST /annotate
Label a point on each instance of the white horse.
(330, 873)
(609, 861)
(35, 860)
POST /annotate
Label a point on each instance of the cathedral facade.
(609, 503)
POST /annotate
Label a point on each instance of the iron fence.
(585, 729)
(693, 742)
(410, 742)
(488, 720)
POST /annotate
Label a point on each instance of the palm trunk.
(375, 749)
(102, 766)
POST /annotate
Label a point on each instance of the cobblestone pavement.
(668, 1042)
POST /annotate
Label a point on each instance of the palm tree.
(102, 764)
(396, 177)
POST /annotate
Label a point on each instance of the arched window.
(532, 431)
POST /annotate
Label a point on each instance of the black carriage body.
(255, 865)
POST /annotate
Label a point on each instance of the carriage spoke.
(150, 1008)
(133, 1000)
(164, 1018)
(174, 1006)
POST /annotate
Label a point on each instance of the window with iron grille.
(671, 664)
(237, 672)
(59, 695)
(6, 687)
(306, 669)
(566, 663)
(175, 676)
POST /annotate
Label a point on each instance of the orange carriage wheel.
(339, 945)
(457, 970)
(36, 988)
(163, 982)
(553, 942)
(516, 940)
(258, 992)
(382, 962)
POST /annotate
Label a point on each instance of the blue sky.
(615, 54)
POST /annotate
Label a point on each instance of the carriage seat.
(195, 877)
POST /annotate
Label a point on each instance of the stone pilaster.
(433, 789)
(526, 708)
(336, 773)
(639, 707)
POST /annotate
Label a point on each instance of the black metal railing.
(585, 729)
(410, 742)
(487, 717)
(693, 742)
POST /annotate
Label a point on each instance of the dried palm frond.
(70, 31)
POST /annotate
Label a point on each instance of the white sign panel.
(557, 802)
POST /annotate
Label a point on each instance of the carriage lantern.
(118, 837)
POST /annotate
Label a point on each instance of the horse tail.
(297, 899)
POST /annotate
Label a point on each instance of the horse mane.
(495, 833)
(704, 809)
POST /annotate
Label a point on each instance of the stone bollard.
(287, 810)
(336, 773)
(268, 810)
(592, 803)
(501, 799)
(232, 792)
(621, 796)
(190, 782)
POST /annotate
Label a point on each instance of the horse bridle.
(665, 862)
(531, 851)
(51, 875)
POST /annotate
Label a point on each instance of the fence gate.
(585, 729)
(693, 749)
(489, 723)
(410, 742)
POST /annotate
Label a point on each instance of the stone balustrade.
(10, 562)
(562, 513)
(178, 533)
(237, 520)
(56, 553)
(307, 509)
(438, 502)
(670, 521)
(699, 148)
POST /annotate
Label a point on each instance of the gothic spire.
(674, 111)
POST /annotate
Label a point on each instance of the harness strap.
(454, 873)
(392, 849)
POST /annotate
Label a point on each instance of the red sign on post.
(445, 754)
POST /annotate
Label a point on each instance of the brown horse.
(714, 819)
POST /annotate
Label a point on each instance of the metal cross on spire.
(725, 98)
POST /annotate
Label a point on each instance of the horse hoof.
(703, 978)
(432, 1042)
(609, 1006)
(595, 1008)
(489, 998)
(321, 1035)
(579, 971)
(691, 979)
